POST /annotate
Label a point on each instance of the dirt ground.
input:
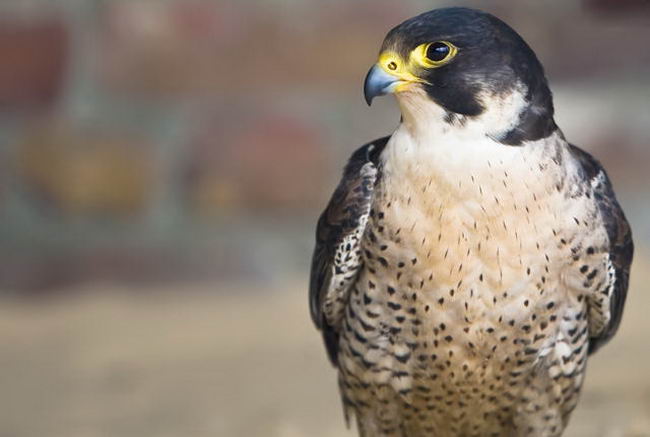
(242, 361)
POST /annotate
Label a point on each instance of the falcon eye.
(434, 54)
(438, 51)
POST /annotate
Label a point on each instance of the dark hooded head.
(465, 61)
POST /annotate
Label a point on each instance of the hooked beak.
(378, 83)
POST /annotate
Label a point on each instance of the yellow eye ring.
(434, 54)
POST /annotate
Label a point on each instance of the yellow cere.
(393, 64)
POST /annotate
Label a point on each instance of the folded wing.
(337, 256)
(606, 304)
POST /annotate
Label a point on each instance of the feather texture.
(336, 259)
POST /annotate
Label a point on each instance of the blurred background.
(162, 167)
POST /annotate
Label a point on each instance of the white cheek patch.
(502, 113)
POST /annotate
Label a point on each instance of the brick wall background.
(189, 140)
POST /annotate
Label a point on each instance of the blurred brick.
(619, 7)
(33, 56)
(86, 172)
(271, 164)
(167, 48)
(231, 48)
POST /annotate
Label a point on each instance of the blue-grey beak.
(378, 83)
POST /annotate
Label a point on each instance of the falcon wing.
(604, 319)
(337, 255)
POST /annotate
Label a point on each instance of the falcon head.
(460, 66)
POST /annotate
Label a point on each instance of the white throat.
(428, 144)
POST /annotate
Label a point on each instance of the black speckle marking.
(394, 306)
(403, 358)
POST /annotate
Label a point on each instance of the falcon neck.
(453, 160)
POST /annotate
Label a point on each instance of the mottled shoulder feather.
(336, 259)
(621, 247)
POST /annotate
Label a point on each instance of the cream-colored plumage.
(475, 249)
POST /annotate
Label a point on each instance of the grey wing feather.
(337, 255)
(621, 247)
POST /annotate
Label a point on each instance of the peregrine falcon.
(467, 265)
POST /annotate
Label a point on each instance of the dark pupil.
(437, 51)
